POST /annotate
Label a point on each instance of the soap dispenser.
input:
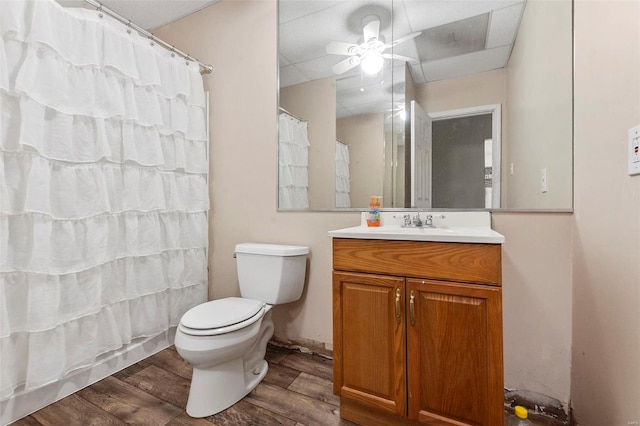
(373, 214)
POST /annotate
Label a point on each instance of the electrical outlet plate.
(634, 151)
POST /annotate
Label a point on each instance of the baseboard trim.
(307, 346)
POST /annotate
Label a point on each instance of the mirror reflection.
(432, 104)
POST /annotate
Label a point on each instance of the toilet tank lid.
(271, 249)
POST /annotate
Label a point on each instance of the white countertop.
(453, 228)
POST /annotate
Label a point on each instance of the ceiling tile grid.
(458, 37)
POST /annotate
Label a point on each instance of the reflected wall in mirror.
(495, 89)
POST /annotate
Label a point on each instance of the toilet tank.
(271, 273)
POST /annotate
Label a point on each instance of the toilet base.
(218, 388)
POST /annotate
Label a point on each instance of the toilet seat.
(221, 316)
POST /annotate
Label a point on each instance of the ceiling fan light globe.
(372, 63)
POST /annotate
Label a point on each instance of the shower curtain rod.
(292, 115)
(206, 69)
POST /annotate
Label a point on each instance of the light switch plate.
(634, 151)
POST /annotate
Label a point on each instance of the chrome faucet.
(416, 220)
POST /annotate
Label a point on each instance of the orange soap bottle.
(373, 214)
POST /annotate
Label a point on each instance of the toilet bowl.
(228, 360)
(225, 340)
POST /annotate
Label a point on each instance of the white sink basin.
(454, 235)
(477, 232)
(410, 230)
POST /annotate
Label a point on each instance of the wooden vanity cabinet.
(418, 332)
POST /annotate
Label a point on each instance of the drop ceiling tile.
(282, 61)
(453, 39)
(289, 10)
(417, 74)
(504, 25)
(289, 76)
(348, 83)
(471, 63)
(342, 112)
(426, 14)
(319, 67)
(307, 38)
(401, 23)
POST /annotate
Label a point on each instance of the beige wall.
(485, 88)
(238, 38)
(536, 294)
(605, 378)
(365, 136)
(542, 252)
(538, 109)
(463, 92)
(321, 131)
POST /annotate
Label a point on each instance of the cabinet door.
(369, 340)
(455, 353)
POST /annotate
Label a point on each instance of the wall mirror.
(440, 104)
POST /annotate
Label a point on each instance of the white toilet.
(225, 340)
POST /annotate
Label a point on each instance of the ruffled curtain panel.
(343, 187)
(103, 190)
(293, 159)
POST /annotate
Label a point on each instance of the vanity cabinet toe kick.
(417, 330)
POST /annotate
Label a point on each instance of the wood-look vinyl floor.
(296, 391)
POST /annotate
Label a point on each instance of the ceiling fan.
(370, 53)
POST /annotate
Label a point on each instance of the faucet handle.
(406, 219)
(429, 220)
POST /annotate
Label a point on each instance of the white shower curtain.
(343, 187)
(103, 190)
(293, 159)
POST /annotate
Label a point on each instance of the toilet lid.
(220, 313)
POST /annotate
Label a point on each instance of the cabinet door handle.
(398, 306)
(412, 308)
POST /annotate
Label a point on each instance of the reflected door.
(421, 157)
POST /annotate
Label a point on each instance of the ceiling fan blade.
(371, 30)
(403, 39)
(346, 65)
(398, 57)
(342, 48)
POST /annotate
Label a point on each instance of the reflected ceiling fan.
(370, 53)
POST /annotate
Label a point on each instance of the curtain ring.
(100, 14)
(173, 51)
(129, 27)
